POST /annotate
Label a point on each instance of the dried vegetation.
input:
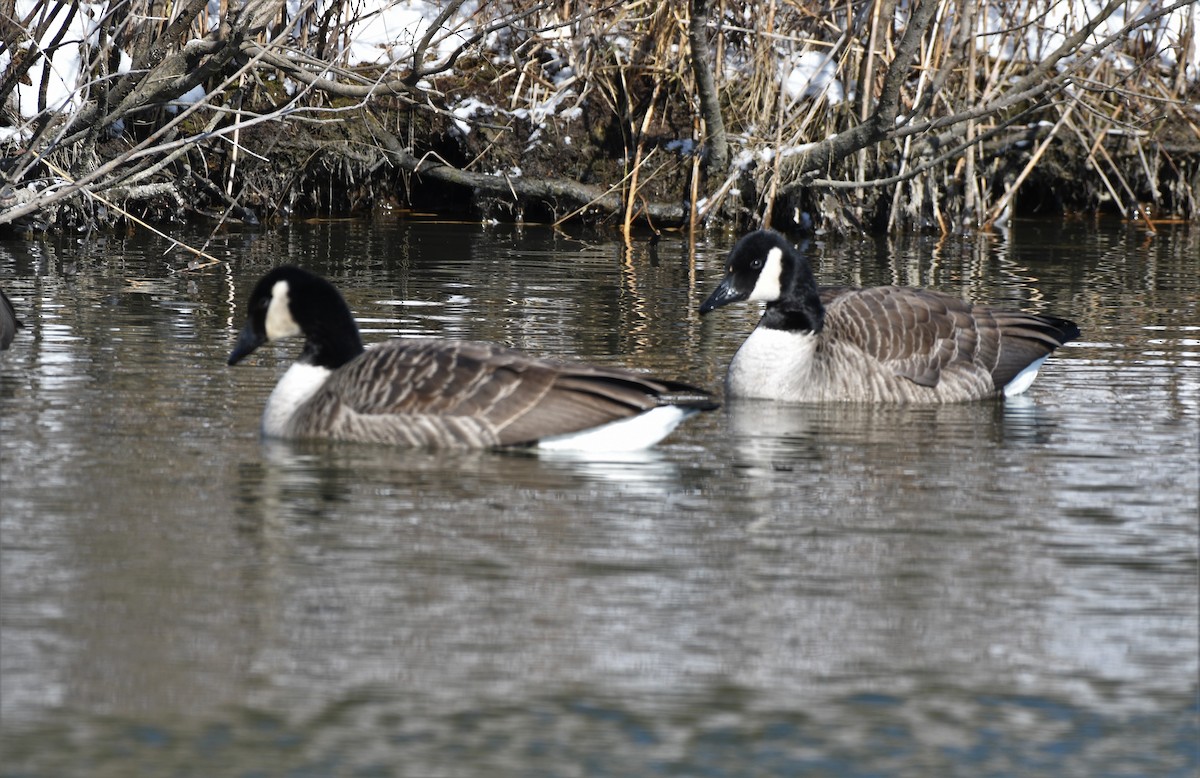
(869, 114)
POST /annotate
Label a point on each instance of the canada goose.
(880, 344)
(9, 323)
(440, 393)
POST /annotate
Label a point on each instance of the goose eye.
(756, 264)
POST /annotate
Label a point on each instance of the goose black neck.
(799, 307)
(333, 340)
(332, 352)
(806, 319)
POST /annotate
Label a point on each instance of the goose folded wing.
(516, 397)
(922, 335)
(916, 334)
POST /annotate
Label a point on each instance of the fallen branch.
(555, 193)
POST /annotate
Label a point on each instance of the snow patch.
(466, 110)
(387, 33)
(190, 97)
(683, 146)
(811, 76)
(65, 84)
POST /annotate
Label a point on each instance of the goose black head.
(764, 266)
(291, 301)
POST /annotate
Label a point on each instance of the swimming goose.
(880, 344)
(440, 393)
(9, 323)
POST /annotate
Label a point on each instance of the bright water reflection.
(970, 590)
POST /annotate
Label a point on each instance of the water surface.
(986, 589)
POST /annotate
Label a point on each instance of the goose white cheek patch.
(767, 288)
(280, 323)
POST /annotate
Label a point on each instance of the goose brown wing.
(517, 397)
(914, 333)
(919, 334)
(581, 397)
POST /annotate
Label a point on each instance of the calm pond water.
(989, 589)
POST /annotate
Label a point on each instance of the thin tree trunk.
(717, 157)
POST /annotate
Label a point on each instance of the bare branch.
(560, 193)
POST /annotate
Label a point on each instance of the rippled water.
(988, 589)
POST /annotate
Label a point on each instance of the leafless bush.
(881, 113)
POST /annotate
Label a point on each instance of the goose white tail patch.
(1024, 379)
(768, 287)
(280, 322)
(632, 434)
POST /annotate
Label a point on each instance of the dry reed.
(590, 100)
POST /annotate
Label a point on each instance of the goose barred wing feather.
(1026, 338)
(914, 334)
(922, 335)
(458, 393)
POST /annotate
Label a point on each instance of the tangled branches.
(877, 113)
